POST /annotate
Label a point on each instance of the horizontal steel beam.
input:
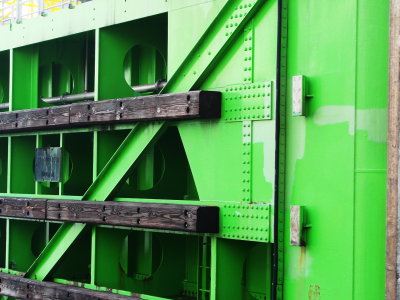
(189, 218)
(22, 288)
(179, 106)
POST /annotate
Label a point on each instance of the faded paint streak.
(372, 120)
(264, 133)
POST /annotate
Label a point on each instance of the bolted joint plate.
(251, 101)
(249, 222)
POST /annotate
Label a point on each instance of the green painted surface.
(336, 156)
(332, 161)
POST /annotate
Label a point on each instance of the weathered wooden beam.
(23, 208)
(192, 105)
(189, 218)
(179, 106)
(22, 288)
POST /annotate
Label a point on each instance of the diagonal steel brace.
(222, 32)
(123, 160)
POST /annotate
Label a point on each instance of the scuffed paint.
(314, 292)
(303, 262)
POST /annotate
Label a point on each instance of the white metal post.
(41, 7)
(19, 11)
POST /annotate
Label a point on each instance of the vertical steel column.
(280, 154)
(392, 207)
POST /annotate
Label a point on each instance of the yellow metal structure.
(17, 10)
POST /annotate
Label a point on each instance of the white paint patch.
(264, 132)
(331, 114)
(372, 120)
(299, 135)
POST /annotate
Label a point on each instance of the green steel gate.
(225, 137)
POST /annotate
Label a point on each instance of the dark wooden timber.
(22, 288)
(23, 208)
(58, 116)
(189, 218)
(392, 198)
(179, 106)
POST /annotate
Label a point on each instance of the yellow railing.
(18, 10)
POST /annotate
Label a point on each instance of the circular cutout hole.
(136, 73)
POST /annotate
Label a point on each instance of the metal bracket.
(298, 95)
(48, 164)
(296, 225)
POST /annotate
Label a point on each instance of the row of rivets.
(246, 222)
(251, 207)
(248, 53)
(247, 102)
(246, 169)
